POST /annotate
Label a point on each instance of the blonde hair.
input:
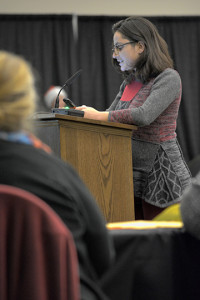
(17, 92)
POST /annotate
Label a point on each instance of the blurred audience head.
(17, 92)
(51, 94)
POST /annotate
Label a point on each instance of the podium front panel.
(102, 156)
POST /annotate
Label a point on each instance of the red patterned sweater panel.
(161, 129)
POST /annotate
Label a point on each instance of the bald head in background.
(51, 94)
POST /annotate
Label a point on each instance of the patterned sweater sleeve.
(165, 89)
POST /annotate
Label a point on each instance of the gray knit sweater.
(160, 173)
(154, 108)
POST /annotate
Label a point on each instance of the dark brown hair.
(155, 57)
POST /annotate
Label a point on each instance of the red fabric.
(37, 143)
(37, 253)
(131, 90)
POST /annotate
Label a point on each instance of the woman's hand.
(85, 108)
(91, 113)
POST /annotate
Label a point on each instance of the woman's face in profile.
(125, 52)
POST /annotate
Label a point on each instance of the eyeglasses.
(117, 48)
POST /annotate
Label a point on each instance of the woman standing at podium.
(149, 97)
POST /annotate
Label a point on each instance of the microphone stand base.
(69, 111)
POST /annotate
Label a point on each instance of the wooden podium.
(101, 153)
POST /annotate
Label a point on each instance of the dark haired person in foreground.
(28, 164)
(149, 97)
(190, 207)
(187, 209)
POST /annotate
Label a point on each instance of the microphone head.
(72, 78)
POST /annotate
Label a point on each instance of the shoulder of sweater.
(168, 74)
(38, 155)
(169, 77)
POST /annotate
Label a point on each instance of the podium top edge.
(42, 116)
(97, 122)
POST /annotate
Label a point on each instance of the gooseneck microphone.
(67, 83)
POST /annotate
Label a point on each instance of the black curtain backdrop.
(56, 51)
(46, 41)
